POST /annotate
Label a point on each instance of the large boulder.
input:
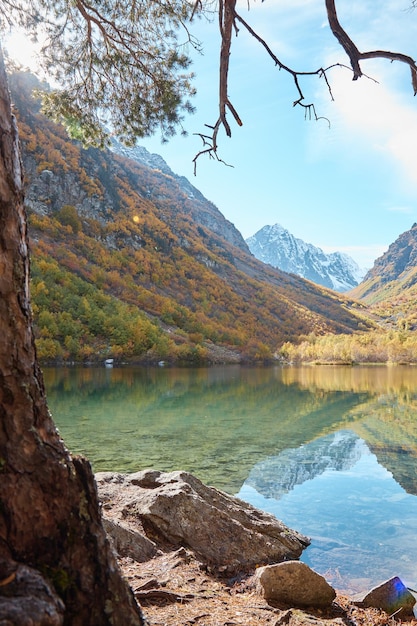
(128, 542)
(228, 534)
(293, 584)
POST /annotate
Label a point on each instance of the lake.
(331, 451)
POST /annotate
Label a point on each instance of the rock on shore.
(293, 583)
(228, 534)
(192, 552)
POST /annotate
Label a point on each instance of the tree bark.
(49, 512)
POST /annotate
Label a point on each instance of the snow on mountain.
(276, 246)
(141, 154)
(273, 245)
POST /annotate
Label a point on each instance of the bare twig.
(209, 146)
(228, 19)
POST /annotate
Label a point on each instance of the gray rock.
(294, 584)
(391, 596)
(129, 542)
(225, 532)
(26, 598)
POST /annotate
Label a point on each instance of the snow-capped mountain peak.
(278, 247)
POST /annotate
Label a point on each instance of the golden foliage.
(379, 346)
(122, 250)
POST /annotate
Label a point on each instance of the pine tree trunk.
(49, 512)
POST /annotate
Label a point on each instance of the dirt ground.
(175, 589)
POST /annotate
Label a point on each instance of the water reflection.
(373, 379)
(215, 422)
(332, 450)
(277, 475)
(363, 525)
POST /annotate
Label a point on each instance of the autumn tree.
(120, 65)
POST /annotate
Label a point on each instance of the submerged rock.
(226, 533)
(293, 584)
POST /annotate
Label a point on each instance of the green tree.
(116, 63)
(68, 216)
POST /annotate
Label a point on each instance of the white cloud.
(380, 116)
(384, 120)
(378, 113)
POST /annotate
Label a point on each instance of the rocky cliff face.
(278, 247)
(391, 285)
(134, 231)
(201, 210)
(399, 260)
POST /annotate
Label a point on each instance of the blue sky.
(351, 187)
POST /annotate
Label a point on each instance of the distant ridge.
(394, 274)
(400, 258)
(278, 247)
(202, 210)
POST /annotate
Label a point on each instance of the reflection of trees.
(360, 379)
(215, 422)
(387, 418)
(389, 427)
(219, 422)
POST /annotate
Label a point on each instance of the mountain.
(391, 285)
(278, 247)
(395, 271)
(131, 261)
(201, 210)
(275, 476)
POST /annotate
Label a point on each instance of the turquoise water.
(362, 522)
(330, 451)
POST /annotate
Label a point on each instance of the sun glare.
(21, 49)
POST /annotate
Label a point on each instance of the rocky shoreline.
(195, 555)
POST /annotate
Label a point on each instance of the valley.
(133, 263)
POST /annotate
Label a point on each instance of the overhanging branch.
(355, 56)
(228, 20)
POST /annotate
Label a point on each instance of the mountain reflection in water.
(362, 524)
(277, 475)
(331, 451)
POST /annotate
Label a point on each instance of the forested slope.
(390, 287)
(127, 262)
